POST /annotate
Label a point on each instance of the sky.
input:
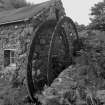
(78, 10)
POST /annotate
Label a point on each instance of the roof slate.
(23, 13)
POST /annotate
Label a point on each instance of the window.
(12, 57)
(9, 57)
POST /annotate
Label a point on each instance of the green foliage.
(80, 27)
(15, 96)
(98, 9)
(12, 4)
(98, 16)
(18, 3)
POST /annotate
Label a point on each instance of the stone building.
(17, 26)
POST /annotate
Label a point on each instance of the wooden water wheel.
(50, 53)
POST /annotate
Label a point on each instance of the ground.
(10, 95)
(3, 87)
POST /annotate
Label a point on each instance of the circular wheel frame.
(64, 29)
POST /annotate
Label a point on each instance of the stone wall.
(16, 37)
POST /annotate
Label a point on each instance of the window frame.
(10, 56)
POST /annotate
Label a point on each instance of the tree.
(98, 16)
(18, 3)
(98, 9)
(12, 4)
(80, 27)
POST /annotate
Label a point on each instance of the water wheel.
(50, 53)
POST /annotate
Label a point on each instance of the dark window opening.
(9, 57)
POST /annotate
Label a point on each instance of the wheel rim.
(66, 30)
(38, 59)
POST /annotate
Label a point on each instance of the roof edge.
(14, 21)
(32, 17)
